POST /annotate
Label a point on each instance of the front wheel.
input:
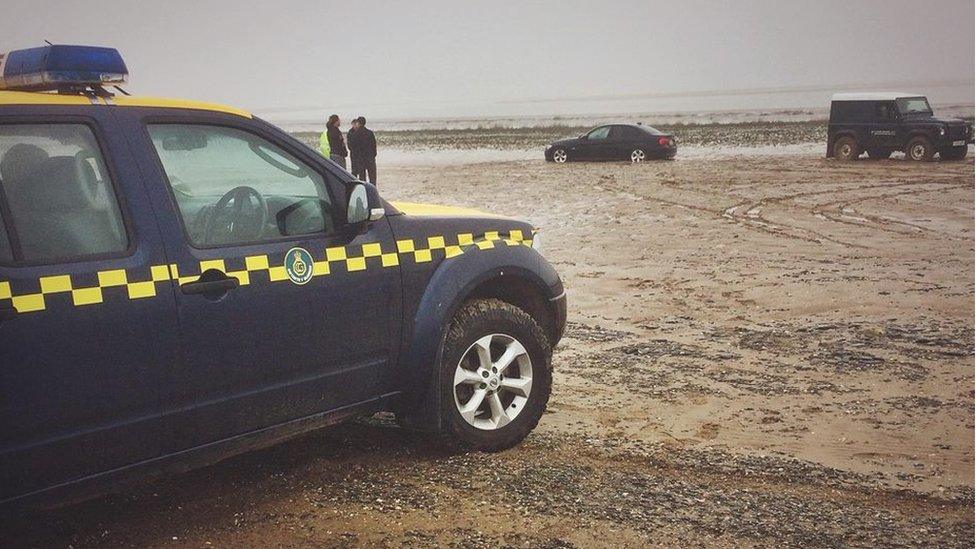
(496, 376)
(638, 155)
(920, 149)
(559, 156)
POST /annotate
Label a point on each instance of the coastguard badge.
(298, 265)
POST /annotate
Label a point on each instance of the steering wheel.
(243, 223)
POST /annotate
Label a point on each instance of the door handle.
(7, 312)
(212, 287)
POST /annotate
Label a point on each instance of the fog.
(448, 58)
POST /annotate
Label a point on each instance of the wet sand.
(762, 349)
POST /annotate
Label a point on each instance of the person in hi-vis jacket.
(331, 142)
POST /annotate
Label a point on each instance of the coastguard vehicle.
(182, 281)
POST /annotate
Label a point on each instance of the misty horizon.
(441, 59)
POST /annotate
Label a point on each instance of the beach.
(764, 347)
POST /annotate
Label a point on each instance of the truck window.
(232, 187)
(885, 111)
(851, 111)
(914, 105)
(61, 202)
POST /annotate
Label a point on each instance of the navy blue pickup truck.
(182, 281)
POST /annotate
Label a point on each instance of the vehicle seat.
(19, 167)
(58, 211)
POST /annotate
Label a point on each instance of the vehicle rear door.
(623, 140)
(284, 313)
(87, 315)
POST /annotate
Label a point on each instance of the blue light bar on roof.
(61, 67)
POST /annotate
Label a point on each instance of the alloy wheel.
(637, 156)
(559, 156)
(493, 381)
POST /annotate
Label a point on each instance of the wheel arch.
(927, 133)
(518, 275)
(523, 293)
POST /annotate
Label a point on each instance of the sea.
(948, 98)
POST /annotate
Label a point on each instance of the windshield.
(914, 105)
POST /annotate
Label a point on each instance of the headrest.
(66, 183)
(20, 163)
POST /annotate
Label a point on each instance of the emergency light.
(61, 68)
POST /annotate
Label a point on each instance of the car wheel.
(955, 153)
(920, 149)
(846, 149)
(879, 154)
(559, 156)
(496, 376)
(638, 155)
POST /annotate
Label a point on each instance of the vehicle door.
(87, 315)
(596, 146)
(886, 129)
(285, 311)
(624, 140)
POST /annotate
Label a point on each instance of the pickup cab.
(182, 281)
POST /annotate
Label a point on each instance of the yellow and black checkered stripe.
(421, 250)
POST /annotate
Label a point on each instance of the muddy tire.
(846, 149)
(955, 153)
(920, 149)
(496, 376)
(879, 154)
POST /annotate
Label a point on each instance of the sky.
(457, 58)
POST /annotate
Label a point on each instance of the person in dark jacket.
(337, 143)
(366, 151)
(355, 166)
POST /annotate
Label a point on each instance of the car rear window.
(58, 201)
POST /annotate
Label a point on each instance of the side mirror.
(358, 210)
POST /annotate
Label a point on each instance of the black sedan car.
(634, 142)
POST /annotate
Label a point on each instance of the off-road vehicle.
(881, 123)
(182, 281)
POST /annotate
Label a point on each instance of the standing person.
(324, 147)
(335, 142)
(368, 140)
(354, 150)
